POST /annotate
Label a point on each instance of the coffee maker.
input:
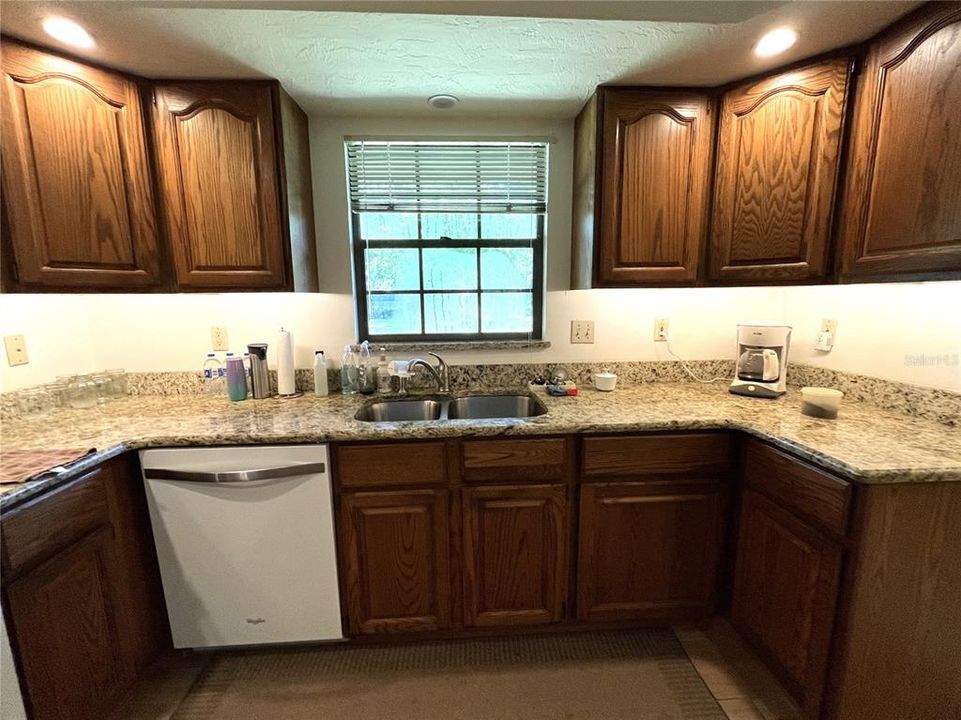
(760, 369)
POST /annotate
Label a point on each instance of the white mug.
(605, 381)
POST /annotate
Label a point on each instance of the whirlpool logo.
(255, 621)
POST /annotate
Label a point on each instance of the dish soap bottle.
(383, 374)
(320, 374)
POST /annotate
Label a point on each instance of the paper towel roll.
(286, 385)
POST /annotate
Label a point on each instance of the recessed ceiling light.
(442, 102)
(67, 31)
(774, 42)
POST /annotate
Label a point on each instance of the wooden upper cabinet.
(902, 201)
(218, 168)
(779, 142)
(76, 178)
(641, 189)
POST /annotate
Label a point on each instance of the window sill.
(521, 345)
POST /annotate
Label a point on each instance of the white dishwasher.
(245, 540)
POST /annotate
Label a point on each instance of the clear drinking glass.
(34, 401)
(118, 378)
(58, 393)
(82, 392)
(103, 386)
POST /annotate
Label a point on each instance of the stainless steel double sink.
(472, 407)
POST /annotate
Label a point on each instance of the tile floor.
(743, 687)
(737, 679)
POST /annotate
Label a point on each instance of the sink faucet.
(441, 373)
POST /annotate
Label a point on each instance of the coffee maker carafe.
(761, 362)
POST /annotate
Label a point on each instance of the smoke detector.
(442, 102)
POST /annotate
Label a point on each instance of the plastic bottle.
(213, 375)
(366, 380)
(348, 372)
(320, 374)
(383, 374)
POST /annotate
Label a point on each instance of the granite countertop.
(865, 444)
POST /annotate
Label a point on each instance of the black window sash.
(360, 244)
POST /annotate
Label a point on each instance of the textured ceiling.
(362, 63)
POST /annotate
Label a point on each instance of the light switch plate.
(218, 339)
(582, 332)
(16, 350)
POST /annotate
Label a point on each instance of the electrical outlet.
(830, 326)
(582, 332)
(218, 338)
(16, 350)
(660, 330)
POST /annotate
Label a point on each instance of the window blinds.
(418, 176)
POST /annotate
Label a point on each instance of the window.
(448, 238)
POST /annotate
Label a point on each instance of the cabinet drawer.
(491, 460)
(798, 486)
(414, 463)
(36, 530)
(631, 455)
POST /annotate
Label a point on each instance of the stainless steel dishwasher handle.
(234, 476)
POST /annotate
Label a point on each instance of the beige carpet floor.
(637, 675)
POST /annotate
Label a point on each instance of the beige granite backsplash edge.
(912, 400)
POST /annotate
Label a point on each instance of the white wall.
(879, 324)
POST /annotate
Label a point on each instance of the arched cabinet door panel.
(76, 179)
(656, 150)
(779, 144)
(902, 202)
(218, 169)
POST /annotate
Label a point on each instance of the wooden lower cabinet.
(395, 560)
(65, 619)
(82, 595)
(515, 554)
(649, 550)
(786, 585)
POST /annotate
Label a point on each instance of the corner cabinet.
(902, 201)
(81, 593)
(220, 177)
(779, 145)
(641, 182)
(79, 208)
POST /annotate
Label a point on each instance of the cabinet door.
(785, 590)
(515, 554)
(654, 186)
(64, 622)
(902, 201)
(218, 167)
(76, 180)
(777, 171)
(649, 550)
(395, 548)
